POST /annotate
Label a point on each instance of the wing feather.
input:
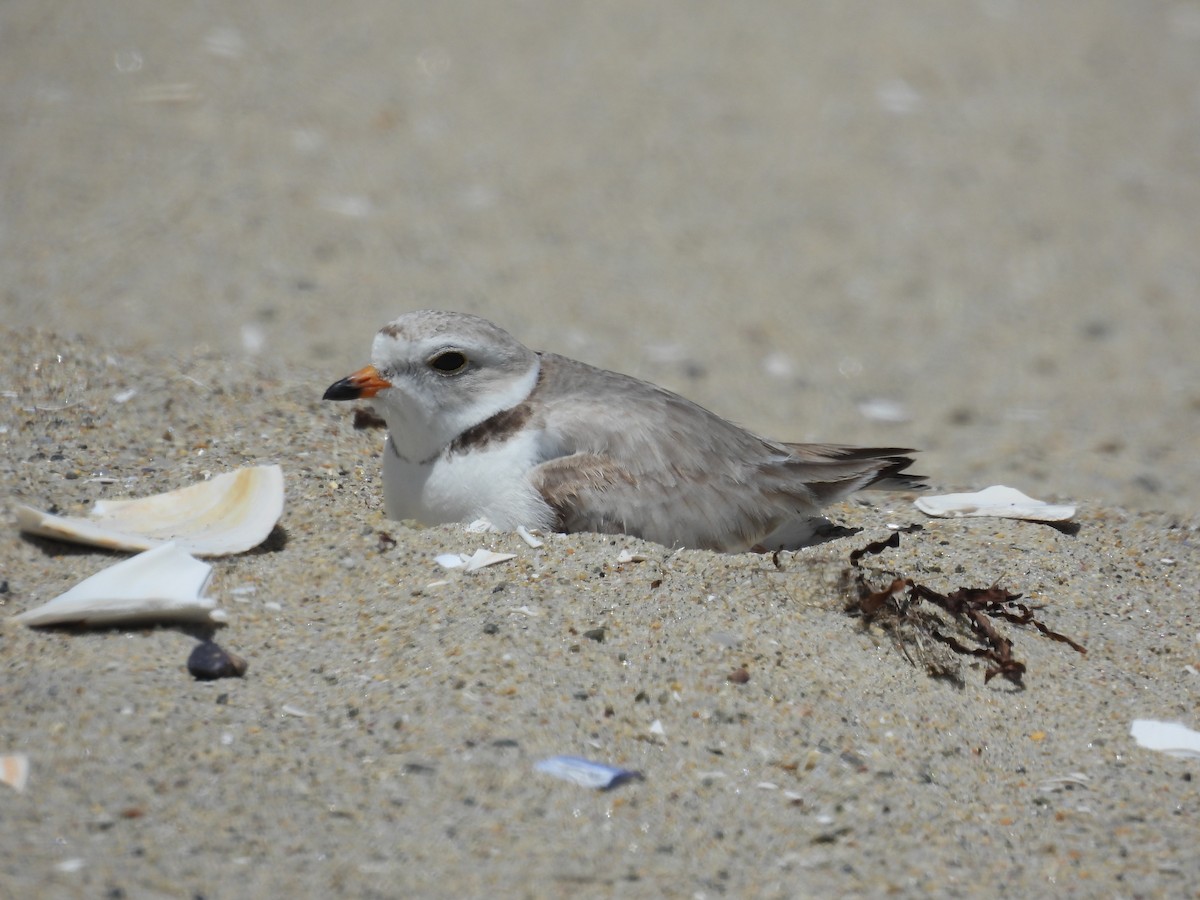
(625, 456)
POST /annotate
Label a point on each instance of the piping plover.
(480, 426)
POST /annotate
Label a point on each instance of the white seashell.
(1167, 737)
(450, 560)
(481, 559)
(161, 585)
(996, 501)
(524, 534)
(585, 773)
(230, 513)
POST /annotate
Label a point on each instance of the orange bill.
(366, 382)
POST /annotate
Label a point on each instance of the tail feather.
(834, 471)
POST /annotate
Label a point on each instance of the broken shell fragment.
(527, 536)
(229, 513)
(996, 501)
(161, 585)
(14, 770)
(210, 661)
(585, 772)
(480, 559)
(1172, 738)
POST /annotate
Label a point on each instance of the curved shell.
(229, 513)
(161, 585)
(996, 501)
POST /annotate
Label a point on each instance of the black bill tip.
(346, 389)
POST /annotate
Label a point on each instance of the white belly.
(490, 483)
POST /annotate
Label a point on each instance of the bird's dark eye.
(449, 362)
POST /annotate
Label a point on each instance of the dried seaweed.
(978, 608)
(365, 419)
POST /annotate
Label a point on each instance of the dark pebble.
(209, 661)
(739, 676)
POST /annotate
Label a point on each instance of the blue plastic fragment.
(586, 773)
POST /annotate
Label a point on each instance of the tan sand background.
(979, 219)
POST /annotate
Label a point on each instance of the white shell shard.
(481, 559)
(1166, 737)
(524, 534)
(996, 501)
(229, 513)
(165, 584)
(585, 773)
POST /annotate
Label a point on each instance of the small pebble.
(210, 661)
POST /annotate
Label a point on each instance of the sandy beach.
(965, 228)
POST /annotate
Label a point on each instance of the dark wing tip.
(891, 476)
(846, 469)
(894, 479)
